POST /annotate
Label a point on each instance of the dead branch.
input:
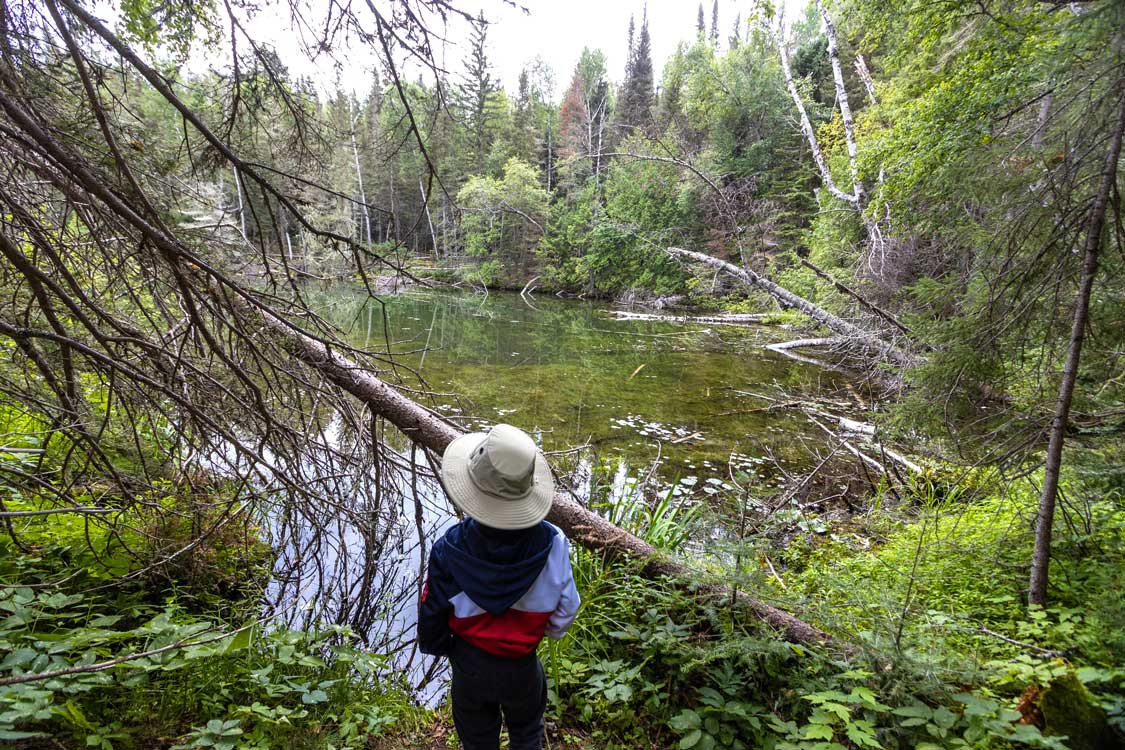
(788, 299)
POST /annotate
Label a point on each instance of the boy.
(497, 583)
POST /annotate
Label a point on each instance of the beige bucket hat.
(498, 477)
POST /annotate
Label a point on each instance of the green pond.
(675, 403)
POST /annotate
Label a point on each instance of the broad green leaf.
(314, 696)
(817, 732)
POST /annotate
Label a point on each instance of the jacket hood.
(496, 567)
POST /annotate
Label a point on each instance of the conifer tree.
(629, 54)
(701, 23)
(636, 101)
(715, 23)
(573, 116)
(523, 120)
(476, 90)
(736, 32)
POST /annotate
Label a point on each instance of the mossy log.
(1069, 711)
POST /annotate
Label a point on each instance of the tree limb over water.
(173, 340)
(851, 332)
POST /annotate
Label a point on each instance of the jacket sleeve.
(434, 635)
(569, 602)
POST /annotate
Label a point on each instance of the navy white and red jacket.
(499, 590)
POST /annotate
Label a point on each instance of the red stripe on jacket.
(511, 635)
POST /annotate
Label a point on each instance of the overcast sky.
(556, 30)
(559, 29)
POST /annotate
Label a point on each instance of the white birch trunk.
(845, 107)
(241, 206)
(429, 219)
(851, 332)
(806, 124)
(362, 193)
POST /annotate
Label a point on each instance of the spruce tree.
(476, 89)
(715, 24)
(701, 23)
(736, 32)
(629, 53)
(636, 100)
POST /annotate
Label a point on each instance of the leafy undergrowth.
(949, 656)
(170, 657)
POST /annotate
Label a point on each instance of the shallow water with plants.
(677, 402)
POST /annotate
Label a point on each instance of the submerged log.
(587, 528)
(802, 343)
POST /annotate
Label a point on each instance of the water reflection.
(631, 390)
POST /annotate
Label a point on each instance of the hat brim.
(490, 510)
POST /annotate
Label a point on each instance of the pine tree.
(474, 94)
(635, 106)
(715, 24)
(701, 23)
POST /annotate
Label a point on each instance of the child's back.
(492, 594)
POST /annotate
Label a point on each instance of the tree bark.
(845, 107)
(1041, 557)
(820, 315)
(806, 124)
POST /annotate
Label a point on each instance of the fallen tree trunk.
(580, 524)
(788, 299)
(732, 319)
(863, 301)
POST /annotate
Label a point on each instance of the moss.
(1069, 710)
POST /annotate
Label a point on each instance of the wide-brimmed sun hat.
(498, 477)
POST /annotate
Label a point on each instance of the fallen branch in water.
(732, 319)
(852, 449)
(802, 343)
(868, 431)
(851, 333)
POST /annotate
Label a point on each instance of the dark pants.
(484, 686)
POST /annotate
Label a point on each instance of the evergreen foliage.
(635, 102)
(476, 100)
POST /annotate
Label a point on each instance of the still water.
(689, 398)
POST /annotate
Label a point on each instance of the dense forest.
(215, 504)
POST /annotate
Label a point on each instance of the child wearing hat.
(497, 583)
